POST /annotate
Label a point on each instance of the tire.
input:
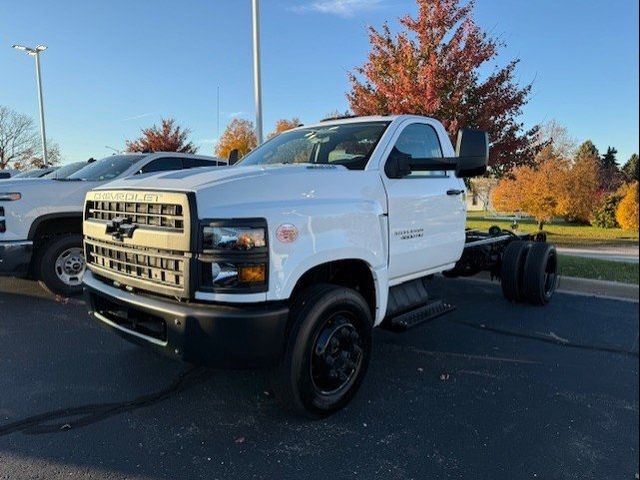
(540, 273)
(512, 270)
(60, 269)
(328, 322)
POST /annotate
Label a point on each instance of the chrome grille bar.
(148, 269)
(170, 216)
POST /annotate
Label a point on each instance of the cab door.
(426, 209)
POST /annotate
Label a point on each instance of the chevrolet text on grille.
(126, 197)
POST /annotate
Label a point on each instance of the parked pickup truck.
(41, 219)
(290, 258)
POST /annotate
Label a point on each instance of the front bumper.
(15, 258)
(239, 336)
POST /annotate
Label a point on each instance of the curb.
(584, 286)
(600, 288)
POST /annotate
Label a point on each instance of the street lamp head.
(29, 50)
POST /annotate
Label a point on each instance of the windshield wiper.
(69, 179)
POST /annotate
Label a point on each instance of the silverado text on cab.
(288, 259)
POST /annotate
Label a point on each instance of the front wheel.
(327, 351)
(62, 265)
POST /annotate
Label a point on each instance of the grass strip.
(597, 269)
(562, 234)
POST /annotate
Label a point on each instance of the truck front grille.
(140, 240)
(159, 270)
(161, 215)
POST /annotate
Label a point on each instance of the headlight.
(234, 276)
(233, 256)
(9, 197)
(233, 238)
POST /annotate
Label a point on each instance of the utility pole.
(257, 82)
(35, 52)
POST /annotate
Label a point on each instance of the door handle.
(455, 192)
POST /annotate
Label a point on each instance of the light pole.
(256, 70)
(35, 52)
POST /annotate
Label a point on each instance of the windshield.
(347, 144)
(37, 173)
(107, 168)
(66, 170)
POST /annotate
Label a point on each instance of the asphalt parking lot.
(491, 390)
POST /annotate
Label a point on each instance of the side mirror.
(472, 151)
(472, 157)
(398, 164)
(234, 156)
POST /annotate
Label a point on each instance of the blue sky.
(115, 66)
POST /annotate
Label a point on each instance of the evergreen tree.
(587, 150)
(610, 176)
(609, 159)
(630, 169)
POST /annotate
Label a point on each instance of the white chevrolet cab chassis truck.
(41, 219)
(289, 259)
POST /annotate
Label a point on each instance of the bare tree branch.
(18, 137)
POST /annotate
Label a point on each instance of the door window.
(188, 162)
(420, 141)
(162, 165)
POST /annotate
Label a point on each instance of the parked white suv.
(287, 260)
(41, 219)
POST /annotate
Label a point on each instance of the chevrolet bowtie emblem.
(120, 228)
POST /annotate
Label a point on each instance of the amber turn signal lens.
(252, 274)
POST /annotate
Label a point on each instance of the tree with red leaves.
(166, 138)
(432, 68)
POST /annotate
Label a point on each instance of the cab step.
(418, 316)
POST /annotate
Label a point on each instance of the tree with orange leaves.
(582, 186)
(433, 68)
(169, 137)
(540, 191)
(283, 125)
(239, 135)
(627, 211)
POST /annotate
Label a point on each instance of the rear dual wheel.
(529, 272)
(540, 273)
(512, 270)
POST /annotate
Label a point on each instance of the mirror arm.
(433, 164)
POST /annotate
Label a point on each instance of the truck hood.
(45, 186)
(11, 184)
(247, 191)
(200, 178)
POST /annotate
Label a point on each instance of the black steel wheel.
(337, 354)
(512, 270)
(327, 351)
(540, 273)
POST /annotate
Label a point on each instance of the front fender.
(283, 287)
